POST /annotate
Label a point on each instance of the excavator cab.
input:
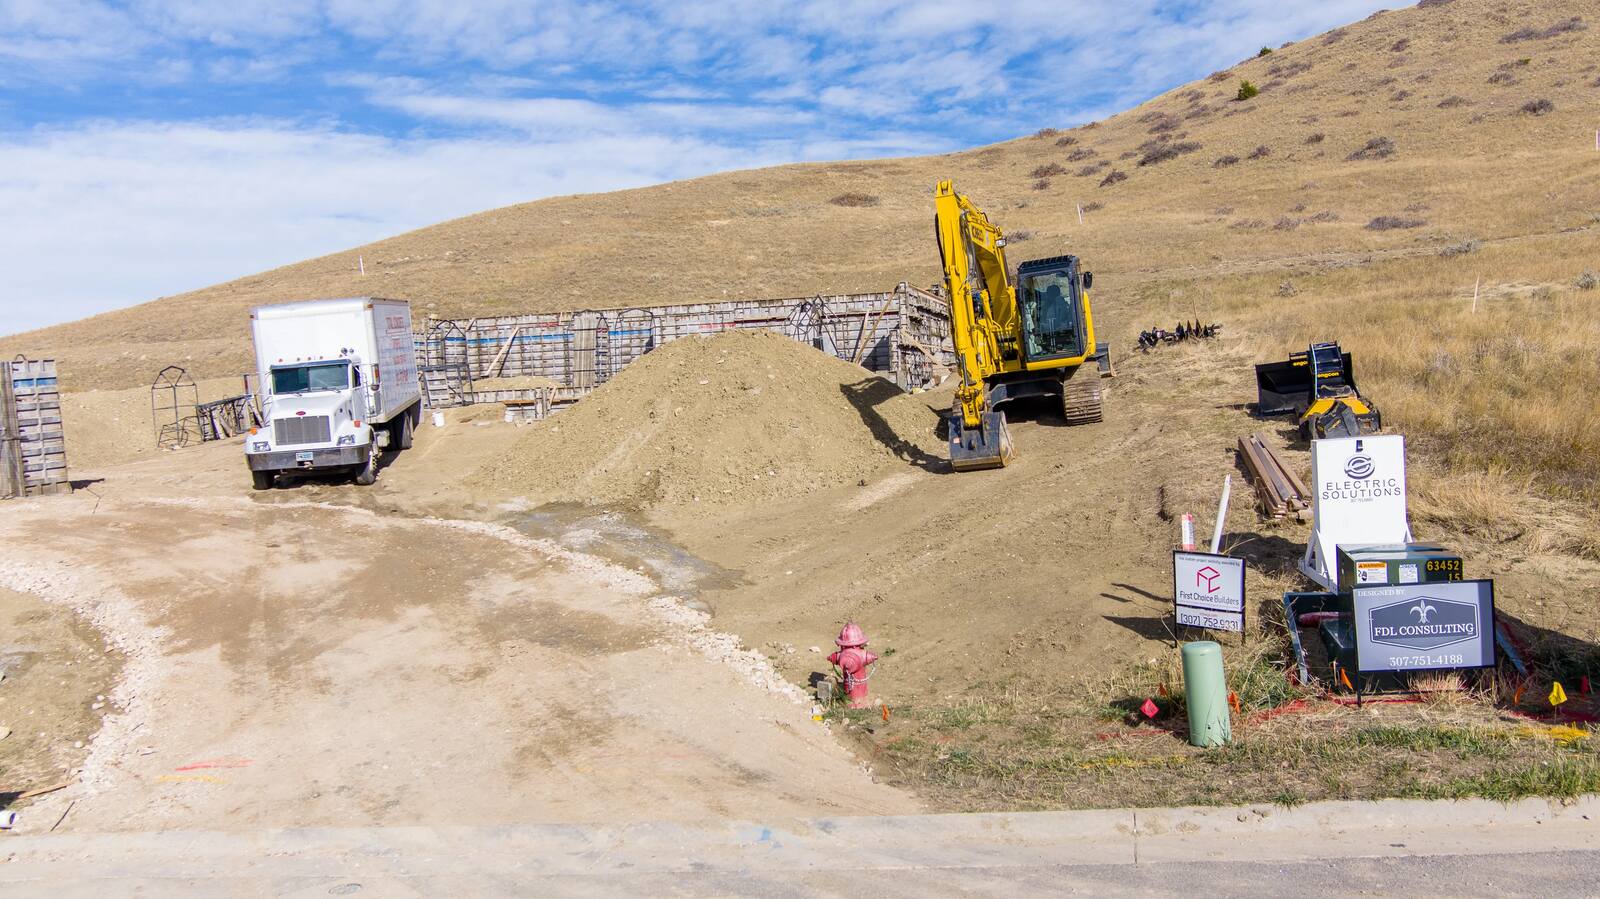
(1050, 300)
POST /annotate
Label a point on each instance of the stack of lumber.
(1280, 490)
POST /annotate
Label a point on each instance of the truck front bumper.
(288, 460)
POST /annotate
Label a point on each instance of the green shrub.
(1265, 51)
(1247, 90)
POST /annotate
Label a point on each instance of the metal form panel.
(445, 385)
(902, 335)
(33, 457)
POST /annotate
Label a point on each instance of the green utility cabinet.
(1365, 565)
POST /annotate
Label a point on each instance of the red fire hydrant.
(853, 659)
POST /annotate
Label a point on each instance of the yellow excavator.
(1031, 338)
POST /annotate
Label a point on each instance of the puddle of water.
(620, 538)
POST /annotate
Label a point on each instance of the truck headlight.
(260, 446)
(347, 440)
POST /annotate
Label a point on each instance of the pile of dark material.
(1184, 331)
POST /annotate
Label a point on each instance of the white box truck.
(338, 385)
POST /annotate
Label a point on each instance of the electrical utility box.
(1388, 564)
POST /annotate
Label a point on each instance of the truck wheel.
(368, 475)
(262, 480)
(403, 431)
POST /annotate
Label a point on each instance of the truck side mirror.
(1088, 280)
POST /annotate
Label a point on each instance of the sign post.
(1360, 499)
(1444, 625)
(1208, 591)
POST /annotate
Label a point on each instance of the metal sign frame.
(1178, 606)
(1360, 497)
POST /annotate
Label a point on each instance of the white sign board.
(1360, 497)
(1425, 627)
(1208, 591)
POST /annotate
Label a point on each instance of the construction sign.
(1424, 627)
(1208, 591)
(1359, 497)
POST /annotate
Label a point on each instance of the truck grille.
(300, 429)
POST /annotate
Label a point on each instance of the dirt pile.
(108, 427)
(741, 417)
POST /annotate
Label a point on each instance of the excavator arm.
(981, 295)
(983, 324)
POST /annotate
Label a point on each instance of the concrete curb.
(992, 841)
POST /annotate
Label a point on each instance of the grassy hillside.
(1383, 168)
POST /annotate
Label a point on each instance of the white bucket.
(438, 419)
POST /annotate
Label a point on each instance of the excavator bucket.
(1288, 386)
(972, 449)
(1283, 386)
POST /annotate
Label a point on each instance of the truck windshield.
(1050, 316)
(306, 378)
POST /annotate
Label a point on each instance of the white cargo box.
(375, 332)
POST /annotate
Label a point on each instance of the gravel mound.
(741, 417)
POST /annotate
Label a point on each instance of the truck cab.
(316, 417)
(325, 403)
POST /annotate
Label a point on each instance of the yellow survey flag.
(1557, 695)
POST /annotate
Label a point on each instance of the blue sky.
(157, 146)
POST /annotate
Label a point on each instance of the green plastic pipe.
(1206, 690)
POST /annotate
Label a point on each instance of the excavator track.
(1080, 400)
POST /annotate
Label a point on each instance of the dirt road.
(291, 663)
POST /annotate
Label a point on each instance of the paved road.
(1330, 849)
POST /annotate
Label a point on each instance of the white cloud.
(108, 214)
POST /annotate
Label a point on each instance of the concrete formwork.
(902, 335)
(33, 455)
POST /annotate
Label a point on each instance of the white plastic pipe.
(1222, 514)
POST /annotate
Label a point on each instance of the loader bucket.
(1282, 386)
(978, 448)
